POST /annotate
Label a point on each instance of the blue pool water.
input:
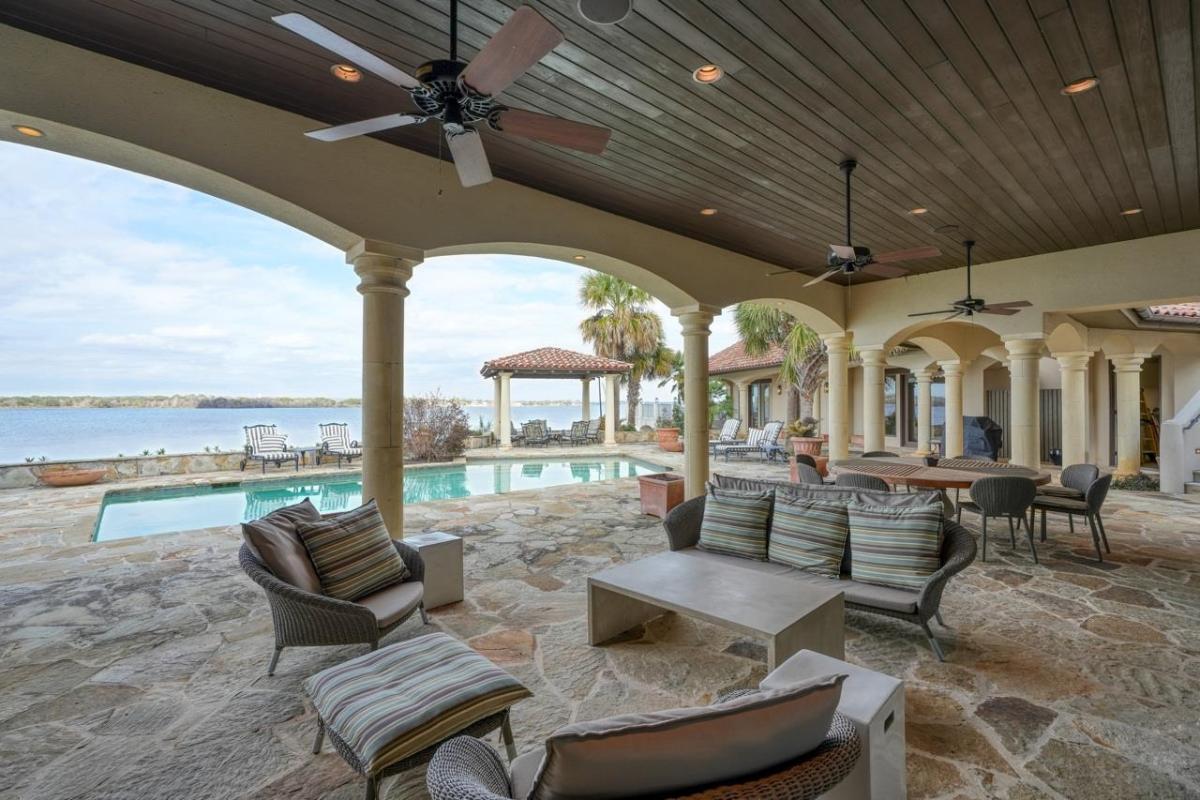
(145, 512)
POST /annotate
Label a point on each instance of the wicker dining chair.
(1074, 482)
(808, 474)
(1002, 496)
(858, 480)
(880, 454)
(1088, 508)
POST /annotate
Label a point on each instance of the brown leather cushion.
(394, 603)
(275, 541)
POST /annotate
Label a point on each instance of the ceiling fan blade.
(1012, 304)
(1007, 312)
(829, 274)
(553, 130)
(519, 44)
(777, 273)
(469, 158)
(884, 270)
(931, 313)
(912, 254)
(374, 125)
(320, 35)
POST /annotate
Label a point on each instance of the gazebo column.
(952, 433)
(695, 321)
(612, 415)
(1128, 370)
(837, 351)
(873, 364)
(505, 379)
(383, 270)
(1023, 358)
(924, 379)
(587, 399)
(1074, 405)
(496, 409)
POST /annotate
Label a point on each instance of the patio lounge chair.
(593, 431)
(516, 436)
(579, 432)
(266, 444)
(728, 434)
(535, 433)
(336, 441)
(764, 442)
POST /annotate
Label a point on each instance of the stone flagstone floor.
(136, 668)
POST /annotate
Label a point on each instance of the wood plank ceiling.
(950, 105)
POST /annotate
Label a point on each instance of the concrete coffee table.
(791, 615)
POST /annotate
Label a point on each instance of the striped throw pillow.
(353, 553)
(899, 547)
(809, 534)
(735, 523)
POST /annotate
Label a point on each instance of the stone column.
(1024, 438)
(505, 410)
(587, 399)
(1129, 412)
(743, 405)
(873, 364)
(612, 414)
(837, 351)
(383, 270)
(952, 433)
(694, 321)
(924, 378)
(1074, 404)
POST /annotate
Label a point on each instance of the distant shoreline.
(216, 401)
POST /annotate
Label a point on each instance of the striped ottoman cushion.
(898, 547)
(353, 553)
(735, 523)
(809, 534)
(391, 704)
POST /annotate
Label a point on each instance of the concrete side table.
(443, 557)
(875, 703)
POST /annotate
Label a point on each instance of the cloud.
(115, 283)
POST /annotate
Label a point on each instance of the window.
(891, 409)
(938, 390)
(760, 403)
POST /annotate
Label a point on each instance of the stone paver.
(136, 668)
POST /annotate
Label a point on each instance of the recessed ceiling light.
(919, 211)
(708, 212)
(28, 130)
(1129, 212)
(580, 258)
(1081, 85)
(347, 73)
(709, 73)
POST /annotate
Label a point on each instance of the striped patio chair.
(728, 435)
(535, 433)
(336, 441)
(266, 444)
(593, 431)
(579, 433)
(765, 443)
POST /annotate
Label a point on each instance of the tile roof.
(735, 359)
(1179, 310)
(552, 362)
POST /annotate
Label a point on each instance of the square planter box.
(660, 493)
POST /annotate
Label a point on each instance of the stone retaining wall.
(17, 476)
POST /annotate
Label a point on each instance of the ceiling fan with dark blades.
(849, 258)
(970, 306)
(461, 96)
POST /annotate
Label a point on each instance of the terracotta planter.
(667, 437)
(672, 447)
(660, 493)
(809, 445)
(70, 477)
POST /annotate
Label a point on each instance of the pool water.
(150, 511)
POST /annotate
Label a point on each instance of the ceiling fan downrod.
(847, 167)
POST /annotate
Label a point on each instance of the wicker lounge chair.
(264, 443)
(1002, 496)
(1088, 508)
(336, 441)
(728, 434)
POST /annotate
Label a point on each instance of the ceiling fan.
(970, 306)
(461, 96)
(848, 258)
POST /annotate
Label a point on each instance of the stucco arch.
(810, 315)
(946, 340)
(1067, 336)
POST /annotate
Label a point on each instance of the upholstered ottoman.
(387, 711)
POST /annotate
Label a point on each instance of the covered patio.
(554, 363)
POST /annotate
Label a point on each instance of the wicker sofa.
(958, 550)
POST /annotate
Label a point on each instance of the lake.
(78, 433)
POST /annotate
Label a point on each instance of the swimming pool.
(144, 512)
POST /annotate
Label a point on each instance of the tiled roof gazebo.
(552, 362)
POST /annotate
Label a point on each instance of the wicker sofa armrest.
(464, 768)
(282, 592)
(682, 523)
(412, 560)
(958, 551)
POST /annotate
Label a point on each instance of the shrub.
(435, 428)
(806, 427)
(1136, 483)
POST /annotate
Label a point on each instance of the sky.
(113, 283)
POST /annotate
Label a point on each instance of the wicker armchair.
(468, 769)
(305, 619)
(1002, 496)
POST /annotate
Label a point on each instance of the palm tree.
(803, 367)
(623, 327)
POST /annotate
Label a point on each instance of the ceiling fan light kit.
(605, 12)
(461, 96)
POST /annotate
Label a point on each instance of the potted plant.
(803, 435)
(667, 431)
